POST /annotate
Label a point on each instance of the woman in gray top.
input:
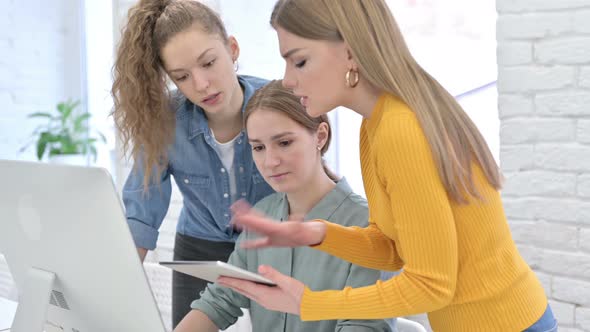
(287, 148)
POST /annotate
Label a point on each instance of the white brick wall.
(569, 102)
(544, 108)
(541, 183)
(532, 25)
(565, 312)
(583, 133)
(40, 65)
(583, 317)
(523, 130)
(567, 289)
(521, 79)
(533, 6)
(513, 105)
(584, 186)
(567, 50)
(515, 53)
(585, 77)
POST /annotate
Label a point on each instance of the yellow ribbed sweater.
(460, 264)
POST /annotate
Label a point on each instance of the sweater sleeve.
(359, 277)
(425, 228)
(379, 251)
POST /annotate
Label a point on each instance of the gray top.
(316, 269)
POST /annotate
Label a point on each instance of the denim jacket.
(200, 176)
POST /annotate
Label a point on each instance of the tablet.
(211, 270)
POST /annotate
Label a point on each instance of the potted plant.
(65, 137)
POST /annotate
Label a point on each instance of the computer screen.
(67, 244)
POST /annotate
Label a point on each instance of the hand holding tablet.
(211, 270)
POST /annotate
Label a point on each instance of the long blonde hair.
(384, 60)
(142, 113)
(276, 98)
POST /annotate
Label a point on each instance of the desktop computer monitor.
(65, 238)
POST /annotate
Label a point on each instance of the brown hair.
(142, 102)
(276, 98)
(384, 60)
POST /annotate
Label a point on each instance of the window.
(97, 60)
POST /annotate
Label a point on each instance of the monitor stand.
(33, 301)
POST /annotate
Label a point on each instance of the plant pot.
(69, 159)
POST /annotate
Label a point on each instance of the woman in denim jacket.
(194, 134)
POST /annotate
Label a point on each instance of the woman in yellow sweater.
(431, 183)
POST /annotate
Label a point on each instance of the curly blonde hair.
(142, 105)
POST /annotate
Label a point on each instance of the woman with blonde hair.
(193, 134)
(431, 182)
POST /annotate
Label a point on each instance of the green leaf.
(59, 135)
(70, 107)
(102, 137)
(41, 145)
(55, 152)
(40, 115)
(67, 145)
(74, 104)
(50, 138)
(79, 124)
(67, 112)
(82, 117)
(61, 107)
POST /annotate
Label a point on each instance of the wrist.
(319, 232)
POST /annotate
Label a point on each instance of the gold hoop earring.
(355, 81)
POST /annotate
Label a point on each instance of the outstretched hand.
(284, 297)
(274, 234)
